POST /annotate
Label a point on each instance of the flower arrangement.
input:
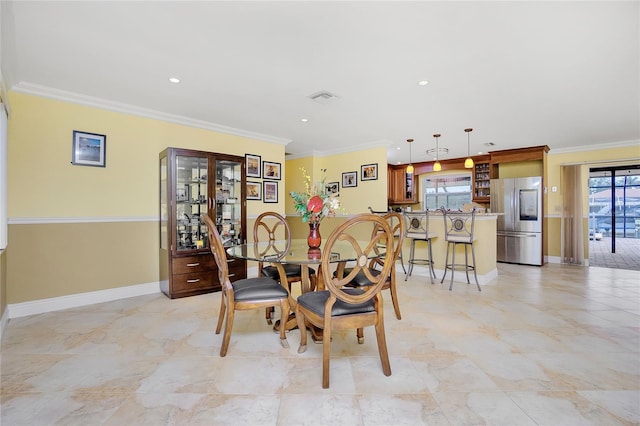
(315, 202)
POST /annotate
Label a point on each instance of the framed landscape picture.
(271, 170)
(254, 190)
(369, 172)
(333, 188)
(349, 179)
(89, 149)
(270, 192)
(253, 165)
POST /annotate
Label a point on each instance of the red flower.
(315, 204)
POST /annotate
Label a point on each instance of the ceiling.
(562, 74)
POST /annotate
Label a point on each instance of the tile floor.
(627, 255)
(552, 345)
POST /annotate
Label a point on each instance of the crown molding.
(90, 101)
(600, 146)
(351, 148)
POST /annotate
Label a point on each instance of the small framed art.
(254, 190)
(271, 170)
(369, 171)
(253, 165)
(349, 179)
(270, 192)
(333, 188)
(88, 149)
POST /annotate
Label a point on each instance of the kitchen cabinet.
(194, 184)
(401, 186)
(481, 180)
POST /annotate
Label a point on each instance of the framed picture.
(254, 190)
(253, 165)
(88, 149)
(182, 194)
(270, 192)
(369, 172)
(349, 179)
(271, 170)
(333, 188)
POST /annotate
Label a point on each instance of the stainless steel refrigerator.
(519, 204)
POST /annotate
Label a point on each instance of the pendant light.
(437, 166)
(410, 166)
(468, 163)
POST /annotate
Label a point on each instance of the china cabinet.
(194, 184)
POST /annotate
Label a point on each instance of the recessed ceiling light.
(423, 82)
(398, 148)
(304, 120)
(174, 80)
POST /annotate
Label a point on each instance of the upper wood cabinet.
(482, 179)
(401, 186)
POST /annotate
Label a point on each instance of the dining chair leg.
(360, 335)
(303, 331)
(326, 354)
(284, 315)
(267, 314)
(227, 331)
(394, 297)
(382, 348)
(223, 307)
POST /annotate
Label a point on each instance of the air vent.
(324, 97)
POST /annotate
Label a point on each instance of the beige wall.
(553, 201)
(69, 225)
(77, 229)
(352, 200)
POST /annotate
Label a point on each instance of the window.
(451, 192)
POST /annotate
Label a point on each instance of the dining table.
(297, 251)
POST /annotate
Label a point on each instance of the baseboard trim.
(17, 310)
(459, 276)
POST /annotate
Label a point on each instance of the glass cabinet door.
(229, 201)
(191, 198)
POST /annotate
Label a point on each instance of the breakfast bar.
(485, 247)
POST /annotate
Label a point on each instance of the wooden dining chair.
(397, 225)
(272, 226)
(339, 308)
(244, 294)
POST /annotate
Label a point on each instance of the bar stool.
(417, 229)
(458, 227)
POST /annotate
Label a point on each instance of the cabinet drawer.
(237, 270)
(195, 281)
(192, 264)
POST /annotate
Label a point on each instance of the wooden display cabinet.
(194, 184)
(482, 179)
(401, 186)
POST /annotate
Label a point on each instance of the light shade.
(468, 163)
(437, 166)
(410, 169)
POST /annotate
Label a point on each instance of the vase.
(314, 239)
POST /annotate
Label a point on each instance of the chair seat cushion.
(360, 279)
(290, 269)
(315, 301)
(257, 289)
